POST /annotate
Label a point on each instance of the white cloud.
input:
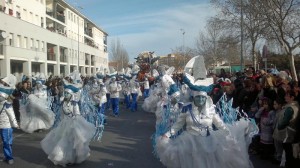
(161, 30)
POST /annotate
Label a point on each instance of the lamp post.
(78, 45)
(242, 34)
(78, 42)
(183, 52)
(3, 36)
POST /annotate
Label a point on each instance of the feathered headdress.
(75, 76)
(71, 88)
(198, 82)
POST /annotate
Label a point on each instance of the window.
(42, 22)
(24, 14)
(11, 39)
(10, 12)
(25, 42)
(42, 46)
(18, 41)
(31, 17)
(37, 19)
(31, 43)
(37, 44)
(18, 15)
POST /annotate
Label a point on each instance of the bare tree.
(181, 55)
(208, 43)
(119, 54)
(230, 15)
(282, 17)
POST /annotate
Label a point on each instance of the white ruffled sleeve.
(218, 122)
(181, 120)
(12, 118)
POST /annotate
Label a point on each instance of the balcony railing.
(63, 58)
(1, 49)
(61, 18)
(49, 12)
(88, 32)
(51, 57)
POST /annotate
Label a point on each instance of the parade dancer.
(134, 91)
(206, 140)
(146, 88)
(7, 117)
(68, 143)
(100, 98)
(126, 93)
(114, 89)
(36, 114)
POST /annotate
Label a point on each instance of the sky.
(148, 25)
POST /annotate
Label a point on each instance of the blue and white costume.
(114, 89)
(206, 141)
(7, 117)
(126, 93)
(146, 88)
(134, 91)
(68, 143)
(35, 111)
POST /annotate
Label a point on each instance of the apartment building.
(49, 36)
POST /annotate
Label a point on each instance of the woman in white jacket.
(7, 119)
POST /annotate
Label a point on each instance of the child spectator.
(267, 116)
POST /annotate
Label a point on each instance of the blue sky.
(148, 25)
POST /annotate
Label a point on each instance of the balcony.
(49, 12)
(1, 49)
(51, 56)
(63, 58)
(88, 32)
(60, 16)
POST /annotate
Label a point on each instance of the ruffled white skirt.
(213, 151)
(69, 141)
(35, 115)
(150, 103)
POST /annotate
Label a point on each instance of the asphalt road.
(125, 143)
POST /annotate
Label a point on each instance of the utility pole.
(183, 52)
(242, 35)
(78, 23)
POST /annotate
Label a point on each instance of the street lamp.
(183, 32)
(169, 56)
(242, 35)
(78, 7)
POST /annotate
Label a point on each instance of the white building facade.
(50, 37)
